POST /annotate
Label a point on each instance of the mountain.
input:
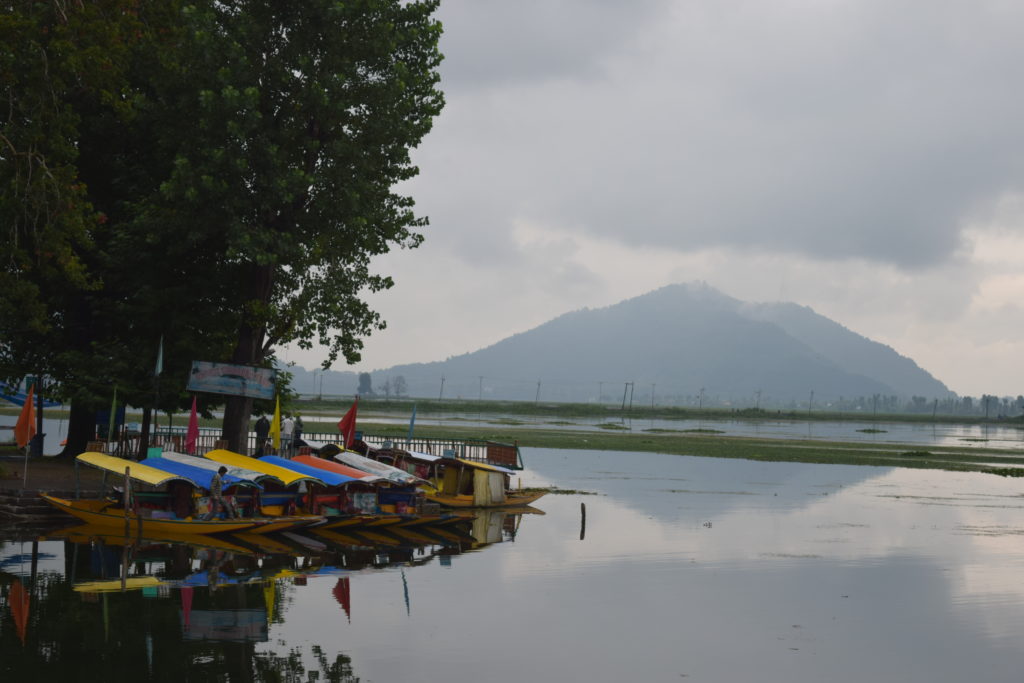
(679, 344)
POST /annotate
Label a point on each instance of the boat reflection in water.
(201, 605)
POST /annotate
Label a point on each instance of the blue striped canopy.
(201, 476)
(326, 476)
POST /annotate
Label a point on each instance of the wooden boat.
(150, 511)
(107, 513)
(468, 484)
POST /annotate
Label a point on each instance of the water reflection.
(90, 604)
(715, 570)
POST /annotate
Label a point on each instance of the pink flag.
(192, 435)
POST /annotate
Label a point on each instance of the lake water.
(918, 434)
(686, 569)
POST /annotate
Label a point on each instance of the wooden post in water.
(583, 520)
(127, 500)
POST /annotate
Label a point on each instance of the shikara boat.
(107, 513)
(468, 484)
(152, 511)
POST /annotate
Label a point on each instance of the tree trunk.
(81, 430)
(147, 418)
(248, 351)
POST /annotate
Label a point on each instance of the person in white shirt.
(287, 427)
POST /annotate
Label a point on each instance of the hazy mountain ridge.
(673, 343)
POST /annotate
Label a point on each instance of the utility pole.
(600, 392)
(757, 404)
(625, 388)
(537, 399)
(441, 395)
(652, 395)
(700, 403)
(810, 403)
(481, 378)
(632, 385)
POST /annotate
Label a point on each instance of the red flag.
(192, 435)
(25, 428)
(347, 424)
(342, 593)
(19, 601)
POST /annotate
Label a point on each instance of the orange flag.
(25, 428)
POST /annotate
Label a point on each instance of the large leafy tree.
(58, 61)
(218, 173)
(292, 123)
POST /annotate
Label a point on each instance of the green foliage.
(219, 174)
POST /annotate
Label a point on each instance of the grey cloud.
(495, 43)
(844, 130)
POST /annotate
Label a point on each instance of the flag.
(412, 423)
(342, 593)
(25, 428)
(113, 416)
(347, 424)
(275, 425)
(19, 601)
(192, 434)
(160, 357)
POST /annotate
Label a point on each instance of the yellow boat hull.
(513, 499)
(102, 513)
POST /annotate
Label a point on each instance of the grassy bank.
(615, 411)
(996, 461)
(321, 416)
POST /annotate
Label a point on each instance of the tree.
(365, 384)
(218, 173)
(400, 386)
(291, 123)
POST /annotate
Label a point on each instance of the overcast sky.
(861, 157)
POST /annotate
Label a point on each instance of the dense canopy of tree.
(216, 173)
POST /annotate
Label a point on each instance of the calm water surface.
(686, 569)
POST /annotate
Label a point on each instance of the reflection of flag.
(25, 428)
(347, 424)
(186, 606)
(192, 435)
(343, 596)
(275, 425)
(19, 607)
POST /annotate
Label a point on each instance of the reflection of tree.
(118, 636)
(271, 668)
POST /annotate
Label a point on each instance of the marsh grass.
(977, 459)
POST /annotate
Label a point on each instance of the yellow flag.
(275, 425)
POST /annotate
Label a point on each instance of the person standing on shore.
(297, 437)
(262, 433)
(287, 429)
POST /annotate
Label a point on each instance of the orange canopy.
(337, 468)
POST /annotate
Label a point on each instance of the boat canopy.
(287, 476)
(482, 466)
(361, 462)
(332, 466)
(137, 471)
(325, 476)
(249, 475)
(425, 457)
(199, 474)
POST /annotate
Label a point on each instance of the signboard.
(233, 380)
